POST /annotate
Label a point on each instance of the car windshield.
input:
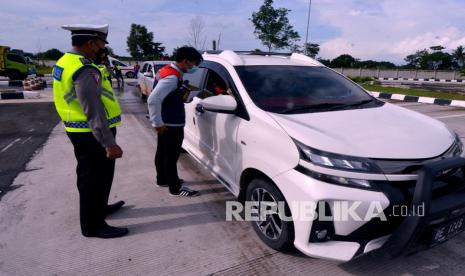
(301, 89)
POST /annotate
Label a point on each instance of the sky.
(366, 29)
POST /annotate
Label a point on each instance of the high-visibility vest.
(65, 98)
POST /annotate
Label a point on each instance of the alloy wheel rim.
(272, 225)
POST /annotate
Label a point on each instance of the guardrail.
(402, 74)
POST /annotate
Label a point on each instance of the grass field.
(414, 92)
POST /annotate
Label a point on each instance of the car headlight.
(336, 161)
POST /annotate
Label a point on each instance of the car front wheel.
(271, 226)
(130, 75)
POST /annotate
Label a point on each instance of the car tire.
(284, 241)
(16, 75)
(142, 96)
(130, 75)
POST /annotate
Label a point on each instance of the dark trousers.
(168, 150)
(94, 178)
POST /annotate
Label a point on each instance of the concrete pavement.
(39, 225)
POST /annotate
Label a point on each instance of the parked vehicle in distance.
(146, 75)
(126, 70)
(14, 65)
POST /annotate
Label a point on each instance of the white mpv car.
(284, 128)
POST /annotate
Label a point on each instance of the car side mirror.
(219, 104)
(148, 74)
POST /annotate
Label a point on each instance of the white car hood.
(388, 131)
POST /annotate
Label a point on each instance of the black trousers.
(166, 159)
(94, 179)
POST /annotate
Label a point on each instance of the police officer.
(90, 112)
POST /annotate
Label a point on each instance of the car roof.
(259, 58)
(159, 61)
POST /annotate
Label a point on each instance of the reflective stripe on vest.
(65, 98)
(111, 121)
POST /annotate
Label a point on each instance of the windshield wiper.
(357, 103)
(328, 106)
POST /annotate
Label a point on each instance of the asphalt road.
(24, 128)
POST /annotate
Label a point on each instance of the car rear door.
(141, 77)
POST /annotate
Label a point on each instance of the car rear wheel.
(143, 97)
(16, 75)
(130, 75)
(271, 227)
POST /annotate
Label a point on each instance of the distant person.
(118, 75)
(136, 69)
(167, 115)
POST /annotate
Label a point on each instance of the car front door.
(217, 132)
(191, 139)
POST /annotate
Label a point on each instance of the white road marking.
(10, 144)
(25, 141)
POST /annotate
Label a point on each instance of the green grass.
(414, 92)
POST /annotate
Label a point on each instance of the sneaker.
(185, 192)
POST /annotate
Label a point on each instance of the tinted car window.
(144, 68)
(196, 78)
(16, 58)
(301, 89)
(157, 67)
(119, 63)
(214, 85)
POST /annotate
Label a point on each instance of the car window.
(149, 68)
(214, 85)
(196, 78)
(115, 62)
(144, 68)
(157, 67)
(276, 88)
(16, 58)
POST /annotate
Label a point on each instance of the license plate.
(446, 231)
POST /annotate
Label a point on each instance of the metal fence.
(400, 73)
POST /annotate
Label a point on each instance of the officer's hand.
(161, 130)
(114, 152)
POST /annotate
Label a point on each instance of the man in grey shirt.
(167, 115)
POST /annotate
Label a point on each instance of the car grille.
(412, 166)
